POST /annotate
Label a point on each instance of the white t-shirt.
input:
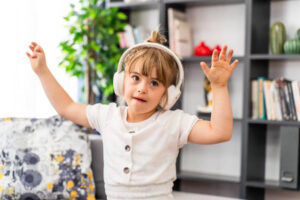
(142, 155)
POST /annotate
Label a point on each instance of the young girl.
(142, 140)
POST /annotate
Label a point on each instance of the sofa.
(53, 158)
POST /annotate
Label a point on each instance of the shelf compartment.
(203, 2)
(134, 5)
(267, 184)
(275, 57)
(206, 58)
(206, 116)
(270, 122)
(197, 176)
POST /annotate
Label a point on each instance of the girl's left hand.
(221, 68)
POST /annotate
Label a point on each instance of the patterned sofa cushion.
(44, 159)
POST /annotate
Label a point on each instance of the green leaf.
(95, 46)
(122, 16)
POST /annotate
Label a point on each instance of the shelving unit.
(256, 62)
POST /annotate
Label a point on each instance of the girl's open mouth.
(139, 100)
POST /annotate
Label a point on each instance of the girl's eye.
(135, 78)
(154, 83)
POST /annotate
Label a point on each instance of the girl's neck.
(138, 117)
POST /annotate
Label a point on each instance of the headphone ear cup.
(118, 83)
(173, 96)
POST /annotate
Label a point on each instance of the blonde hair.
(152, 58)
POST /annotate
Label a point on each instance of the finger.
(205, 68)
(28, 55)
(214, 57)
(223, 52)
(34, 44)
(31, 48)
(234, 64)
(229, 56)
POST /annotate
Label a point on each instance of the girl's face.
(142, 93)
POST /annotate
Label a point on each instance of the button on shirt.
(142, 153)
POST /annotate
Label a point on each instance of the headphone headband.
(160, 47)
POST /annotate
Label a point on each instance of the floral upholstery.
(44, 159)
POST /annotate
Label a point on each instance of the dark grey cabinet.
(256, 59)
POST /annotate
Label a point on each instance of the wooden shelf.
(134, 5)
(270, 122)
(268, 184)
(275, 57)
(203, 2)
(196, 176)
(206, 59)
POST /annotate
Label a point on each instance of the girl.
(142, 140)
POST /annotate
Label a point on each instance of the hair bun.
(156, 37)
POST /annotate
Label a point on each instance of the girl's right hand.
(37, 59)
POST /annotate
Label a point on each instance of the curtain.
(21, 22)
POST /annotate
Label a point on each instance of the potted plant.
(92, 52)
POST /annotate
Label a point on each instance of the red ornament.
(218, 48)
(202, 50)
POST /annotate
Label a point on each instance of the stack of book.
(275, 99)
(180, 34)
(131, 36)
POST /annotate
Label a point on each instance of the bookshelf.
(251, 144)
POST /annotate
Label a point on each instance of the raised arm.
(219, 128)
(60, 100)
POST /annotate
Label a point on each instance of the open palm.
(37, 58)
(221, 68)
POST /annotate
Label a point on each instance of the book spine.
(292, 102)
(254, 99)
(267, 99)
(272, 98)
(296, 94)
(277, 101)
(282, 100)
(261, 105)
(287, 99)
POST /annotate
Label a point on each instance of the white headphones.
(173, 91)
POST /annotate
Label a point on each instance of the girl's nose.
(142, 88)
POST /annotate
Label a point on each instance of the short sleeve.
(186, 123)
(97, 115)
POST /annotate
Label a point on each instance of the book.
(254, 99)
(180, 39)
(289, 99)
(282, 99)
(267, 94)
(296, 93)
(276, 98)
(129, 36)
(122, 42)
(261, 98)
(292, 102)
(137, 34)
(183, 39)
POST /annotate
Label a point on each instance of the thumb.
(205, 68)
(28, 55)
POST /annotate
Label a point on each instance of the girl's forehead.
(138, 67)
